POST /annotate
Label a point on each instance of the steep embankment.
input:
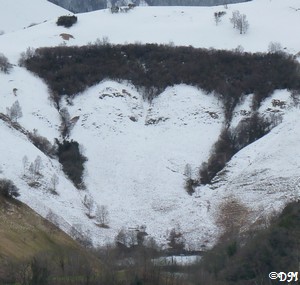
(24, 234)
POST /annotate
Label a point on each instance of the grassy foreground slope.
(24, 234)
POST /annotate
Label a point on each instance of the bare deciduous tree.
(89, 204)
(14, 112)
(54, 182)
(239, 22)
(218, 16)
(102, 215)
(25, 163)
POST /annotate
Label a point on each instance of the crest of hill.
(18, 14)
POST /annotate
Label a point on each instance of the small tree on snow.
(14, 112)
(35, 169)
(242, 24)
(218, 15)
(102, 215)
(37, 165)
(54, 182)
(89, 204)
(190, 183)
(25, 163)
(239, 22)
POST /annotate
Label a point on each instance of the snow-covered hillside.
(138, 152)
(18, 14)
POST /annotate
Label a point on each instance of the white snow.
(137, 152)
(20, 14)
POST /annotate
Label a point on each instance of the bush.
(8, 189)
(5, 66)
(66, 21)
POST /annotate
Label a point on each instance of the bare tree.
(239, 22)
(54, 182)
(14, 112)
(275, 47)
(102, 215)
(25, 163)
(242, 24)
(218, 16)
(35, 169)
(89, 204)
(37, 166)
(235, 15)
(189, 182)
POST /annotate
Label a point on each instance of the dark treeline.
(79, 6)
(152, 67)
(192, 2)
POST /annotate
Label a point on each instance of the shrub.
(5, 66)
(66, 21)
(8, 189)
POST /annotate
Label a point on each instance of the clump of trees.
(230, 142)
(32, 171)
(72, 160)
(66, 21)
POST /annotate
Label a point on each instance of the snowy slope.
(19, 14)
(137, 153)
